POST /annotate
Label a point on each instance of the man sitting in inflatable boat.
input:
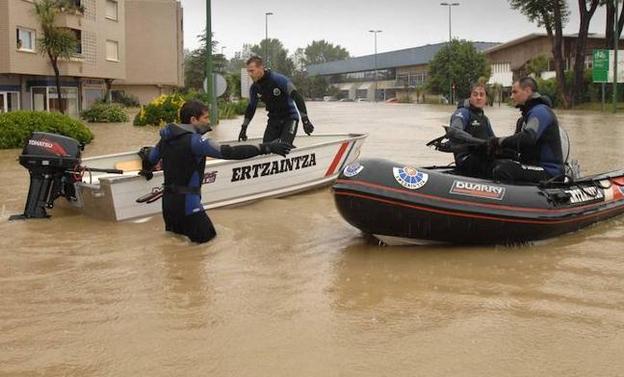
(537, 140)
(467, 123)
(539, 151)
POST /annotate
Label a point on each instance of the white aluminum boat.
(317, 161)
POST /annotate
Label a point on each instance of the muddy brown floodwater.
(289, 289)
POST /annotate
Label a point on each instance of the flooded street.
(290, 289)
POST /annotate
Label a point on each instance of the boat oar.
(98, 170)
(151, 196)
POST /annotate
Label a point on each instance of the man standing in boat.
(537, 140)
(183, 152)
(469, 124)
(283, 103)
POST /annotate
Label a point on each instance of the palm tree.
(56, 42)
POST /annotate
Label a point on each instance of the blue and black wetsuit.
(283, 103)
(537, 141)
(471, 122)
(183, 152)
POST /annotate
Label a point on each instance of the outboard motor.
(51, 161)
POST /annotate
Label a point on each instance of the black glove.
(147, 174)
(242, 136)
(493, 147)
(146, 165)
(277, 147)
(308, 128)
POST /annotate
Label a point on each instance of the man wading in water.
(183, 152)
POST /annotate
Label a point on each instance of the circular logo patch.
(410, 178)
(353, 169)
(277, 92)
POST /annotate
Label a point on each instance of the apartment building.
(104, 53)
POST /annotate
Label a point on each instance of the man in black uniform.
(537, 139)
(183, 152)
(282, 101)
(469, 126)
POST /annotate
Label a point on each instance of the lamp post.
(266, 37)
(616, 46)
(375, 62)
(450, 6)
(209, 68)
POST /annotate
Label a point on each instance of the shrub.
(162, 110)
(165, 109)
(127, 100)
(105, 113)
(549, 88)
(16, 127)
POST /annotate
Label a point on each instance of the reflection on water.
(288, 288)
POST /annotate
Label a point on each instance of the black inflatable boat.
(400, 204)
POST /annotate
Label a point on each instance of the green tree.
(458, 63)
(581, 42)
(322, 51)
(240, 57)
(195, 64)
(233, 84)
(537, 65)
(56, 42)
(552, 15)
(277, 58)
(311, 86)
(610, 13)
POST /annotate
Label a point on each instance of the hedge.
(165, 109)
(105, 113)
(16, 127)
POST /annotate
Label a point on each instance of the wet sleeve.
(154, 155)
(205, 147)
(526, 138)
(538, 121)
(251, 107)
(459, 122)
(459, 119)
(298, 98)
(239, 152)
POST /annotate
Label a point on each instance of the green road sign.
(600, 71)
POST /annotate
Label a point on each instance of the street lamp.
(375, 60)
(616, 46)
(266, 36)
(450, 6)
(210, 89)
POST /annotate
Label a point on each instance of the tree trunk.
(610, 21)
(581, 43)
(621, 22)
(557, 50)
(107, 95)
(609, 26)
(57, 77)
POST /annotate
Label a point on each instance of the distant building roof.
(392, 59)
(532, 36)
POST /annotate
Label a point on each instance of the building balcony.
(69, 20)
(71, 67)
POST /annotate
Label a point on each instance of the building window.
(9, 101)
(112, 51)
(25, 39)
(111, 10)
(47, 99)
(78, 35)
